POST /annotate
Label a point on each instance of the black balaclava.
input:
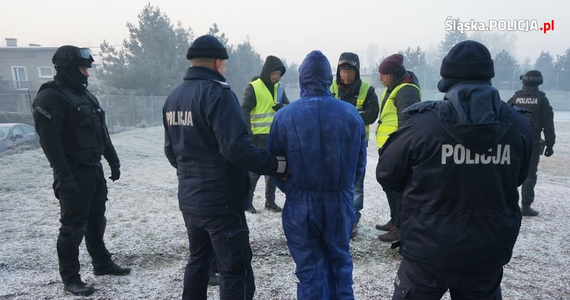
(67, 60)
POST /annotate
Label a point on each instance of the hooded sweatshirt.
(249, 101)
(459, 163)
(349, 93)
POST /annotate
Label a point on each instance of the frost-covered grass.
(146, 232)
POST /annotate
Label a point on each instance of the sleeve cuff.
(281, 164)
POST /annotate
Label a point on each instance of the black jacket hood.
(353, 60)
(475, 118)
(272, 63)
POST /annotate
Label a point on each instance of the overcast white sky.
(288, 29)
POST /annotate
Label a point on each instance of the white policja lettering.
(464, 156)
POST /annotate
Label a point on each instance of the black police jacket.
(71, 127)
(206, 140)
(541, 114)
(459, 163)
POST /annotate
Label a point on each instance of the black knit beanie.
(468, 60)
(207, 46)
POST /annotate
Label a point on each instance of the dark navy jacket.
(206, 140)
(541, 115)
(459, 163)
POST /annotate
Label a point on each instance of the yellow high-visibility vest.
(262, 114)
(389, 115)
(359, 100)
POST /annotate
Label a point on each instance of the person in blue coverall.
(206, 140)
(324, 141)
(458, 163)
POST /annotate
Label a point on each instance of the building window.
(45, 72)
(20, 78)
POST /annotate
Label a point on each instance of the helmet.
(66, 56)
(532, 78)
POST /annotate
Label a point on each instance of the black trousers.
(420, 282)
(225, 238)
(260, 140)
(82, 214)
(527, 189)
(394, 201)
(270, 188)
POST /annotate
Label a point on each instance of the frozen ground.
(146, 232)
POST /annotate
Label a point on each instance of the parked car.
(13, 135)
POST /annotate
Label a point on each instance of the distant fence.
(127, 111)
(123, 111)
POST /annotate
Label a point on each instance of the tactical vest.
(261, 116)
(389, 115)
(362, 93)
(84, 126)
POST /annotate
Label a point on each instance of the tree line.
(152, 61)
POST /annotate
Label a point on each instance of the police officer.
(350, 88)
(261, 99)
(458, 163)
(73, 136)
(206, 140)
(541, 117)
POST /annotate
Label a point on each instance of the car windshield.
(3, 131)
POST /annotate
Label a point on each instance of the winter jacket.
(71, 126)
(459, 163)
(322, 138)
(249, 101)
(349, 93)
(541, 114)
(206, 140)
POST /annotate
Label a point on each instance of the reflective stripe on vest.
(389, 115)
(262, 114)
(364, 87)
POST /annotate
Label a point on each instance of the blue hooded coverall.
(325, 144)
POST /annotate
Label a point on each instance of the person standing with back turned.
(206, 141)
(324, 141)
(542, 120)
(458, 163)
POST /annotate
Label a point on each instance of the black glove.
(549, 151)
(277, 106)
(68, 188)
(115, 174)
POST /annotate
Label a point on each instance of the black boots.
(354, 230)
(385, 227)
(110, 269)
(272, 207)
(79, 289)
(528, 211)
(268, 205)
(392, 236)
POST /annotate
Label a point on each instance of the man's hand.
(548, 152)
(115, 174)
(278, 106)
